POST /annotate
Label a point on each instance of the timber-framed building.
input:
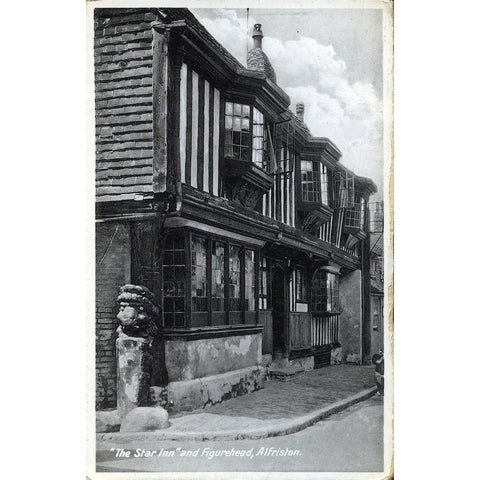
(210, 192)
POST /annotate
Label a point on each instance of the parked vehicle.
(378, 361)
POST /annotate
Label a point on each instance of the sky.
(330, 59)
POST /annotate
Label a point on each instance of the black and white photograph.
(242, 309)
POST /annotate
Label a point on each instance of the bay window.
(208, 281)
(237, 131)
(310, 181)
(315, 180)
(245, 138)
(355, 216)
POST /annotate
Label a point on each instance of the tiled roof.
(258, 60)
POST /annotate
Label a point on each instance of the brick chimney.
(257, 35)
(300, 110)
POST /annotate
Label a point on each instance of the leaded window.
(237, 131)
(301, 285)
(249, 280)
(325, 292)
(208, 281)
(258, 143)
(315, 182)
(199, 274)
(324, 184)
(310, 181)
(174, 281)
(263, 284)
(234, 275)
(245, 135)
(218, 276)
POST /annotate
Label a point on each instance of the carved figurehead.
(137, 313)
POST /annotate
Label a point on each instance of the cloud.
(347, 112)
(227, 28)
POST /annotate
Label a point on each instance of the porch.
(308, 335)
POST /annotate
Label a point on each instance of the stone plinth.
(191, 359)
(200, 392)
(134, 364)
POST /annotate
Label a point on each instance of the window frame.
(301, 279)
(325, 292)
(264, 283)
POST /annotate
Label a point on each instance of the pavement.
(349, 441)
(281, 408)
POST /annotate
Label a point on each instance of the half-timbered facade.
(210, 192)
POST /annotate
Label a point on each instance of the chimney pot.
(300, 110)
(257, 35)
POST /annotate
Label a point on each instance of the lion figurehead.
(137, 313)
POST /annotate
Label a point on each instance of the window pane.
(237, 109)
(236, 124)
(229, 108)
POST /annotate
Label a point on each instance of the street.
(351, 440)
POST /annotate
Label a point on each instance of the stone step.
(287, 373)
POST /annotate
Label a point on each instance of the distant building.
(213, 194)
(376, 276)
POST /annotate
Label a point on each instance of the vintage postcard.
(241, 320)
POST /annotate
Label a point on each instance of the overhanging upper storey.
(353, 194)
(315, 197)
(179, 118)
(210, 58)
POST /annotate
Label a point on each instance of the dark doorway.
(279, 304)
